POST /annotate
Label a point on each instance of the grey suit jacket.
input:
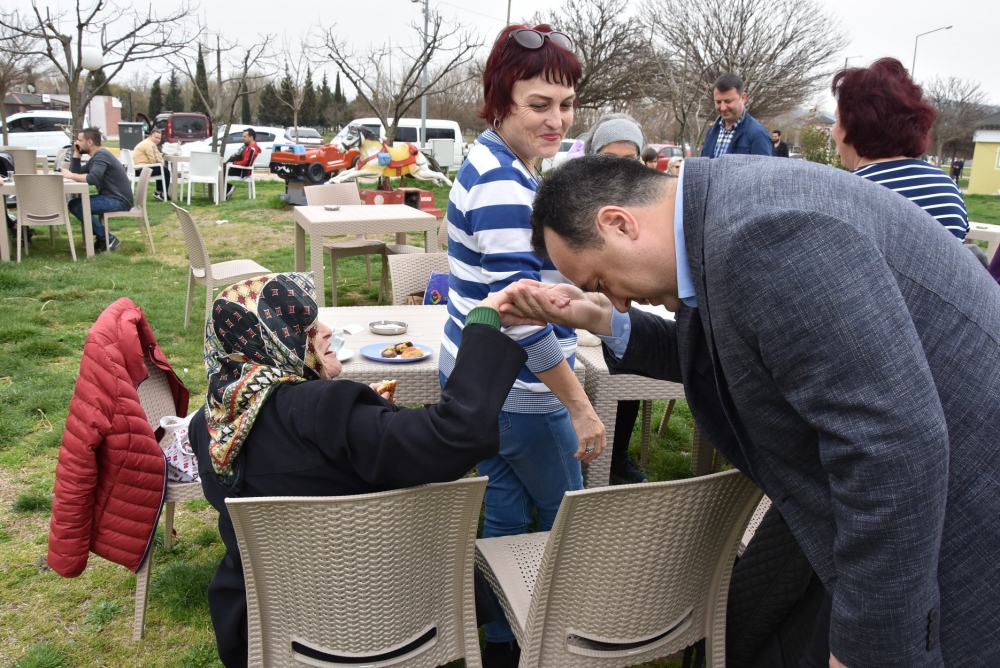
(846, 356)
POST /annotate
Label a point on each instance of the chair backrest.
(638, 571)
(40, 199)
(205, 164)
(155, 397)
(142, 188)
(25, 160)
(333, 193)
(443, 234)
(197, 251)
(361, 577)
(62, 160)
(126, 158)
(411, 271)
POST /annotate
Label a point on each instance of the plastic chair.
(157, 402)
(404, 249)
(411, 272)
(203, 168)
(755, 520)
(25, 160)
(246, 178)
(372, 579)
(41, 201)
(62, 160)
(137, 211)
(347, 194)
(125, 156)
(627, 575)
(204, 272)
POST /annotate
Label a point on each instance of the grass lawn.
(48, 305)
(983, 208)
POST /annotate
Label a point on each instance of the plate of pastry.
(397, 353)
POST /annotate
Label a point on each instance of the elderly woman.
(547, 426)
(271, 427)
(882, 130)
(674, 166)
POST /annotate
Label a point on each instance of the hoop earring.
(496, 123)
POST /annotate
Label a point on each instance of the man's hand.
(533, 303)
(73, 176)
(76, 149)
(834, 663)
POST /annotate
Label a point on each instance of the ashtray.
(387, 327)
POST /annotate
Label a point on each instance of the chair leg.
(368, 270)
(52, 236)
(333, 278)
(190, 299)
(190, 185)
(18, 240)
(149, 232)
(383, 284)
(666, 417)
(69, 237)
(107, 234)
(141, 596)
(168, 524)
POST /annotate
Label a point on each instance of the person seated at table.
(299, 436)
(147, 154)
(240, 163)
(106, 173)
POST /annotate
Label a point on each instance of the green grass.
(48, 304)
(983, 208)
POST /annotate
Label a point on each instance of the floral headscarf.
(262, 333)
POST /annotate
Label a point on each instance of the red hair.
(882, 111)
(554, 63)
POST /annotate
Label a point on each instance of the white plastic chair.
(627, 575)
(374, 579)
(41, 201)
(204, 168)
(125, 156)
(140, 210)
(246, 177)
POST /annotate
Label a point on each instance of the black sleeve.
(76, 166)
(652, 349)
(392, 447)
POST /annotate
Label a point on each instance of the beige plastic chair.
(403, 249)
(411, 272)
(25, 160)
(203, 168)
(137, 211)
(347, 194)
(204, 272)
(247, 177)
(627, 575)
(755, 520)
(374, 579)
(62, 160)
(41, 201)
(157, 402)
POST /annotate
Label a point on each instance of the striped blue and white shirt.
(926, 186)
(489, 247)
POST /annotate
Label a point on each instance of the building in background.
(985, 178)
(104, 111)
(16, 103)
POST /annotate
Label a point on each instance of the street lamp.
(91, 58)
(916, 42)
(423, 98)
(849, 58)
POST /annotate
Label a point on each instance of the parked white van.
(38, 129)
(408, 130)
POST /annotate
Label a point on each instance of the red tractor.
(300, 166)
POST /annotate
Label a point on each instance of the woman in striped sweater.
(882, 130)
(547, 426)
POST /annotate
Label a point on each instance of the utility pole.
(423, 98)
(508, 12)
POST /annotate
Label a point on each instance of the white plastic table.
(70, 188)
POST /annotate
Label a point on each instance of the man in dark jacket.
(114, 190)
(779, 148)
(736, 131)
(837, 346)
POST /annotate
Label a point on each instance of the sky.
(875, 28)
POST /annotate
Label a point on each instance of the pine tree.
(308, 111)
(155, 99)
(96, 82)
(338, 96)
(287, 95)
(245, 116)
(269, 106)
(200, 84)
(174, 100)
(324, 111)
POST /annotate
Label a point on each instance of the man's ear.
(615, 220)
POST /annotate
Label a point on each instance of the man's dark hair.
(250, 131)
(93, 134)
(776, 132)
(570, 197)
(728, 82)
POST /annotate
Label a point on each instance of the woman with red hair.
(547, 426)
(882, 130)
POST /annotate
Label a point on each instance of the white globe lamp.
(91, 58)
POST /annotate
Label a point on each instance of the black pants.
(162, 186)
(625, 418)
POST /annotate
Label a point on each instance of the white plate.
(345, 354)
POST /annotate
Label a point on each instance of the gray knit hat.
(612, 128)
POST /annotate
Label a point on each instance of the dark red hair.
(883, 113)
(554, 63)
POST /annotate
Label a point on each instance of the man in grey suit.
(836, 345)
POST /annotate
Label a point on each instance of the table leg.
(173, 180)
(300, 248)
(401, 238)
(4, 237)
(431, 241)
(88, 231)
(316, 264)
(702, 454)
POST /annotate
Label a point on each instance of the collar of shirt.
(685, 285)
(722, 122)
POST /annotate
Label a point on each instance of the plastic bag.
(182, 465)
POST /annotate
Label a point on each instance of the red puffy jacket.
(111, 477)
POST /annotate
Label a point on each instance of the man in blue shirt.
(736, 131)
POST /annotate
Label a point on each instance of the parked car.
(39, 130)
(548, 164)
(232, 139)
(666, 151)
(183, 127)
(408, 130)
(306, 136)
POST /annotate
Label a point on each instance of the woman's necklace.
(534, 177)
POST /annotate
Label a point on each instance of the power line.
(472, 11)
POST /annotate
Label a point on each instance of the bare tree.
(463, 99)
(960, 105)
(125, 35)
(18, 62)
(388, 78)
(292, 91)
(613, 48)
(232, 70)
(783, 50)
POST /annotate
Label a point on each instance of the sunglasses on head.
(534, 39)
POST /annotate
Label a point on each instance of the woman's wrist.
(485, 313)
